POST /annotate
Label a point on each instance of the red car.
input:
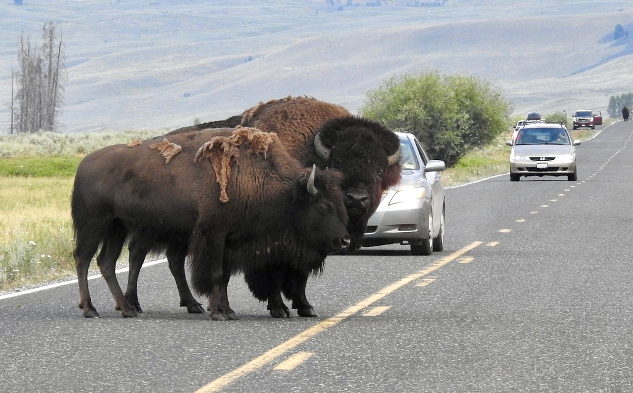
(597, 118)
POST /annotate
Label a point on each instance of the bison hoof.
(232, 316)
(280, 312)
(195, 309)
(131, 313)
(218, 316)
(91, 314)
(307, 312)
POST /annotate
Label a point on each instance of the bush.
(558, 117)
(450, 115)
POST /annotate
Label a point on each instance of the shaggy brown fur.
(295, 119)
(167, 149)
(224, 151)
(135, 142)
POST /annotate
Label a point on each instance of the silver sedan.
(543, 150)
(412, 212)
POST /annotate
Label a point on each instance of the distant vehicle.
(522, 123)
(583, 118)
(533, 116)
(597, 119)
(543, 150)
(412, 212)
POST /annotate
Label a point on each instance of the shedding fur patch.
(224, 151)
(135, 142)
(167, 149)
(250, 113)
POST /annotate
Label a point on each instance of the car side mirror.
(509, 142)
(434, 166)
(576, 142)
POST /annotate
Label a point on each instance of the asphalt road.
(532, 293)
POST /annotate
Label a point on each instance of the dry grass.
(35, 230)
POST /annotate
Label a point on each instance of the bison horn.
(311, 188)
(321, 149)
(394, 158)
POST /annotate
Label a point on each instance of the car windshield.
(583, 114)
(408, 159)
(542, 136)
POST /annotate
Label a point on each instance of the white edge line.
(74, 281)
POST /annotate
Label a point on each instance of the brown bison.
(236, 196)
(328, 136)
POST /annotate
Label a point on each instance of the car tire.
(426, 247)
(438, 242)
(573, 176)
(515, 177)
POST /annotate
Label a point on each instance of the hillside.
(162, 64)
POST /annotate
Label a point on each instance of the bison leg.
(219, 304)
(294, 288)
(86, 247)
(265, 285)
(276, 306)
(138, 252)
(110, 251)
(176, 255)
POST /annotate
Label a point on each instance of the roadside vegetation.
(450, 114)
(36, 177)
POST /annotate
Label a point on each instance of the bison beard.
(123, 192)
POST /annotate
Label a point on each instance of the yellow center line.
(293, 361)
(304, 336)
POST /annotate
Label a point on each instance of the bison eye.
(380, 173)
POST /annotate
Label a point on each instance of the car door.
(437, 191)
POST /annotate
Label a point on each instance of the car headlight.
(566, 157)
(517, 157)
(407, 194)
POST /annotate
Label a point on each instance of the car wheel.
(515, 177)
(438, 242)
(573, 176)
(426, 247)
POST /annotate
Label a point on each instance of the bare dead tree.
(36, 102)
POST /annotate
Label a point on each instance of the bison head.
(320, 213)
(367, 153)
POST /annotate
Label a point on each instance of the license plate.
(541, 165)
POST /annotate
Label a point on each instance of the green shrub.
(450, 115)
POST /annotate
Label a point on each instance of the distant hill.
(163, 64)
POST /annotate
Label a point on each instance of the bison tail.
(205, 254)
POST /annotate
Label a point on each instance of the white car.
(543, 150)
(412, 212)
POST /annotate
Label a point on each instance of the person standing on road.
(625, 113)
